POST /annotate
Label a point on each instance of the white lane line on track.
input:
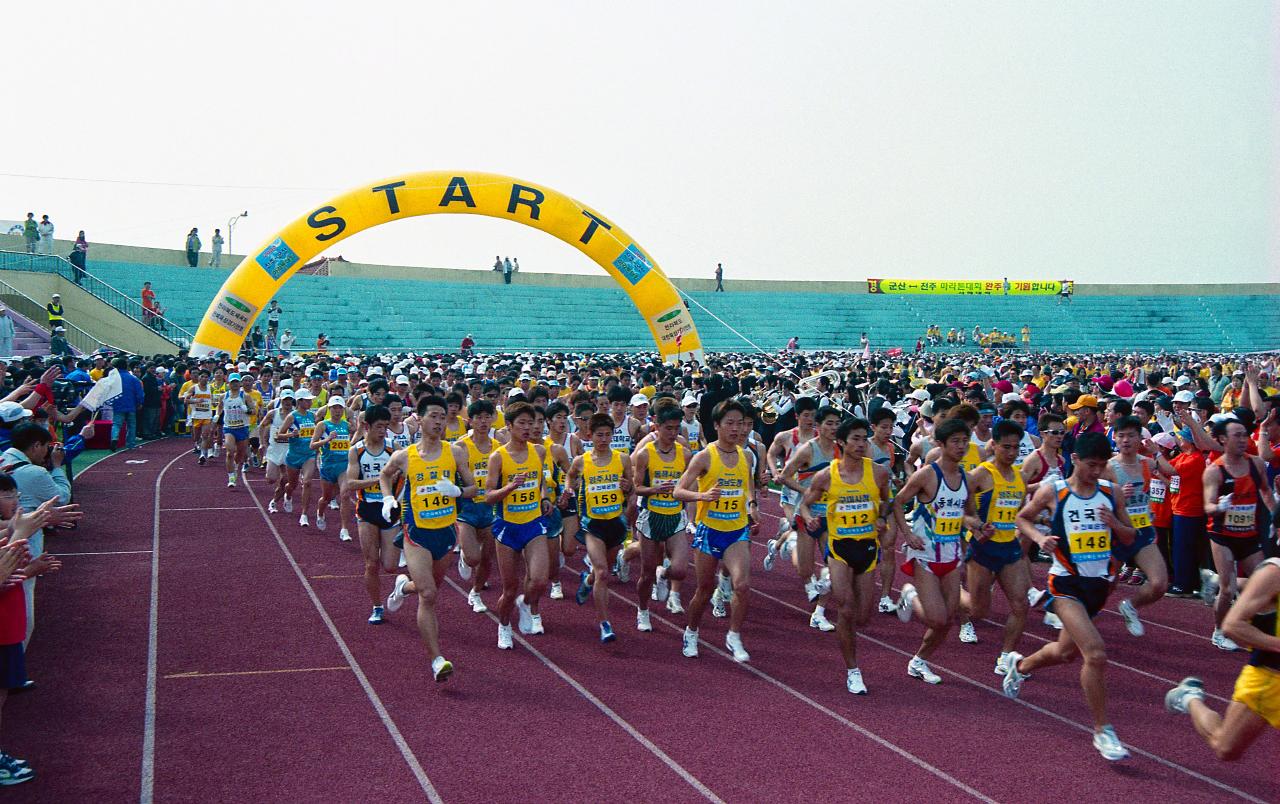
(213, 508)
(148, 782)
(782, 685)
(1060, 718)
(108, 553)
(618, 720)
(405, 751)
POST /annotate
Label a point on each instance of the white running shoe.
(271, 508)
(344, 535)
(557, 591)
(320, 523)
(1177, 699)
(1013, 677)
(853, 682)
(1001, 661)
(526, 616)
(303, 521)
(231, 481)
(661, 586)
(333, 504)
(1222, 642)
(504, 637)
(968, 634)
(1053, 621)
(819, 620)
(441, 669)
(1109, 745)
(673, 603)
(464, 569)
(725, 587)
(642, 621)
(622, 568)
(1034, 596)
(689, 643)
(717, 604)
(1131, 621)
(905, 600)
(288, 505)
(396, 599)
(919, 668)
(771, 556)
(476, 603)
(403, 562)
(376, 617)
(535, 624)
(1208, 587)
(733, 641)
(788, 547)
(812, 589)
(886, 606)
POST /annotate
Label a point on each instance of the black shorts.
(371, 513)
(613, 532)
(1241, 548)
(13, 666)
(1089, 592)
(860, 554)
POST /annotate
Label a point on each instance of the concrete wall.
(178, 257)
(89, 313)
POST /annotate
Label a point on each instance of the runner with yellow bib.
(436, 476)
(514, 484)
(995, 553)
(661, 523)
(332, 437)
(604, 482)
(855, 493)
(720, 480)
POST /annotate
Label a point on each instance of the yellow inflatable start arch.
(260, 276)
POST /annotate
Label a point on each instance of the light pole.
(231, 226)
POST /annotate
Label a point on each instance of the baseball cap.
(304, 393)
(986, 408)
(525, 376)
(1218, 418)
(337, 400)
(639, 399)
(402, 380)
(514, 392)
(233, 377)
(1164, 440)
(1085, 401)
(920, 395)
(689, 399)
(1181, 381)
(1184, 396)
(1010, 397)
(287, 394)
(13, 412)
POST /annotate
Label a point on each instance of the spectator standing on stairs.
(79, 256)
(193, 247)
(148, 304)
(30, 235)
(6, 333)
(719, 278)
(54, 309)
(273, 320)
(506, 271)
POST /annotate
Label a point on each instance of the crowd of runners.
(952, 474)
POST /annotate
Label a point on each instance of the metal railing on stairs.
(103, 291)
(34, 311)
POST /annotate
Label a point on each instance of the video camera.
(68, 393)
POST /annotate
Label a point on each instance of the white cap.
(920, 395)
(526, 376)
(1184, 396)
(514, 392)
(337, 400)
(689, 399)
(287, 394)
(376, 371)
(1007, 398)
(639, 399)
(304, 393)
(1218, 418)
(1027, 373)
(1165, 440)
(402, 380)
(1181, 381)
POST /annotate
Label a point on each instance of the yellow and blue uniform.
(430, 515)
(998, 506)
(600, 499)
(520, 513)
(723, 522)
(1258, 686)
(552, 484)
(477, 513)
(455, 429)
(662, 515)
(851, 513)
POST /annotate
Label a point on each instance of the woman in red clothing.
(1186, 493)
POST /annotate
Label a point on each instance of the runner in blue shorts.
(300, 460)
(333, 438)
(235, 409)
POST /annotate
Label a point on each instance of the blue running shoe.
(606, 632)
(584, 589)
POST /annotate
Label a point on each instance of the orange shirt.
(1188, 500)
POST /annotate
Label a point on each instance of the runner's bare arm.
(819, 486)
(1026, 519)
(461, 460)
(799, 458)
(686, 491)
(1259, 594)
(392, 471)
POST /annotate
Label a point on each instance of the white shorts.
(937, 553)
(276, 453)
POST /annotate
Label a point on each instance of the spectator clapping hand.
(50, 374)
(42, 565)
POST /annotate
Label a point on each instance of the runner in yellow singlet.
(855, 493)
(657, 467)
(720, 480)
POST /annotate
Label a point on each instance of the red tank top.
(1240, 520)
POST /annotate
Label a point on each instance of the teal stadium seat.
(419, 315)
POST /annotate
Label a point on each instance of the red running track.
(256, 677)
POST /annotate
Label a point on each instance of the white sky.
(1100, 141)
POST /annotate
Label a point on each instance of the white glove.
(389, 504)
(1224, 502)
(448, 489)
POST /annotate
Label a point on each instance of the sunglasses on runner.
(1054, 432)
